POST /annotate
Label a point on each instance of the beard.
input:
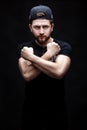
(42, 40)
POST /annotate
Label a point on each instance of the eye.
(37, 27)
(45, 27)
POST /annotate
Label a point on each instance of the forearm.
(44, 64)
(55, 69)
(35, 70)
(28, 70)
(41, 67)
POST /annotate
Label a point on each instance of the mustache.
(41, 35)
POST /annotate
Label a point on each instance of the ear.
(30, 27)
(52, 26)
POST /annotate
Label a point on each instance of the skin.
(31, 65)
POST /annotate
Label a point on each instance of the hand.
(26, 52)
(53, 48)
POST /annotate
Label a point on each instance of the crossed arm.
(31, 65)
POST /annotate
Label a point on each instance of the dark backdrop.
(70, 26)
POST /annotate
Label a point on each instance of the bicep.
(27, 69)
(24, 65)
(63, 63)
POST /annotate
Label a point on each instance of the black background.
(70, 26)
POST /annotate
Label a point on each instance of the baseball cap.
(40, 11)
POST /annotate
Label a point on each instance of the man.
(43, 63)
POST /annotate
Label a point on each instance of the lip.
(41, 37)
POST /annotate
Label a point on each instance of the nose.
(41, 30)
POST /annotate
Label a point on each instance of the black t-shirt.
(45, 92)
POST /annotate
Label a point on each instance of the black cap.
(40, 11)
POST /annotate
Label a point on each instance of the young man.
(43, 63)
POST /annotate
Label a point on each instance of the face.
(41, 29)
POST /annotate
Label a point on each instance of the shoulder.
(21, 45)
(66, 47)
(63, 44)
